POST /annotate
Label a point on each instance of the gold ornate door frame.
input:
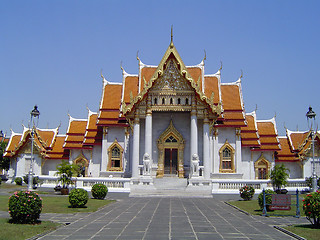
(170, 138)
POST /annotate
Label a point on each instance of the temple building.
(169, 120)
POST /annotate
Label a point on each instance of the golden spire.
(171, 43)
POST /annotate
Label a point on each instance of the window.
(187, 101)
(155, 101)
(171, 101)
(163, 101)
(179, 101)
(115, 157)
(171, 139)
(227, 158)
(262, 167)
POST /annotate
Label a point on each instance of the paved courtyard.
(168, 218)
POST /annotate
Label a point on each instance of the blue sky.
(52, 52)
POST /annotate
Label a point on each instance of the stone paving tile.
(168, 218)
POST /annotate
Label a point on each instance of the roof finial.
(220, 66)
(256, 108)
(275, 114)
(241, 74)
(101, 74)
(121, 65)
(138, 56)
(171, 43)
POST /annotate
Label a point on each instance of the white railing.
(113, 184)
(233, 185)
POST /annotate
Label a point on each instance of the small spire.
(121, 65)
(241, 74)
(256, 108)
(171, 43)
(138, 56)
(220, 66)
(205, 55)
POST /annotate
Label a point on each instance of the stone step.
(170, 183)
(171, 193)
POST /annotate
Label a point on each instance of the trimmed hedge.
(78, 198)
(25, 207)
(99, 191)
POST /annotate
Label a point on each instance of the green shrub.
(18, 181)
(311, 207)
(246, 192)
(268, 198)
(25, 207)
(35, 179)
(309, 182)
(99, 191)
(279, 175)
(78, 198)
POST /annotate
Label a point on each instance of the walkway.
(168, 218)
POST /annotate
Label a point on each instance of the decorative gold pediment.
(180, 72)
(171, 133)
(171, 80)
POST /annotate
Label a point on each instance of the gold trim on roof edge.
(184, 72)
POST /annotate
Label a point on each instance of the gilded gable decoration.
(176, 69)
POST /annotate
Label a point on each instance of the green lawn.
(23, 231)
(51, 204)
(305, 231)
(253, 208)
(59, 204)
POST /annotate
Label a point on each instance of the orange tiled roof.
(75, 133)
(268, 135)
(13, 143)
(285, 153)
(231, 98)
(57, 151)
(296, 139)
(46, 140)
(196, 74)
(211, 85)
(249, 134)
(110, 105)
(146, 74)
(131, 85)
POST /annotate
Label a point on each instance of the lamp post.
(34, 114)
(311, 115)
(2, 138)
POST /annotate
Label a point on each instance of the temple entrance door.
(171, 161)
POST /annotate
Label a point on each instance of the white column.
(238, 150)
(216, 158)
(104, 157)
(194, 135)
(148, 135)
(135, 150)
(206, 149)
(126, 152)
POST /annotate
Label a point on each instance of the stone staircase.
(170, 187)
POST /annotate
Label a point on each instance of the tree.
(66, 171)
(4, 161)
(279, 175)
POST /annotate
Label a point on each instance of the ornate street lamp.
(311, 116)
(34, 114)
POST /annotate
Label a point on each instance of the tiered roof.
(75, 133)
(249, 134)
(46, 141)
(295, 145)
